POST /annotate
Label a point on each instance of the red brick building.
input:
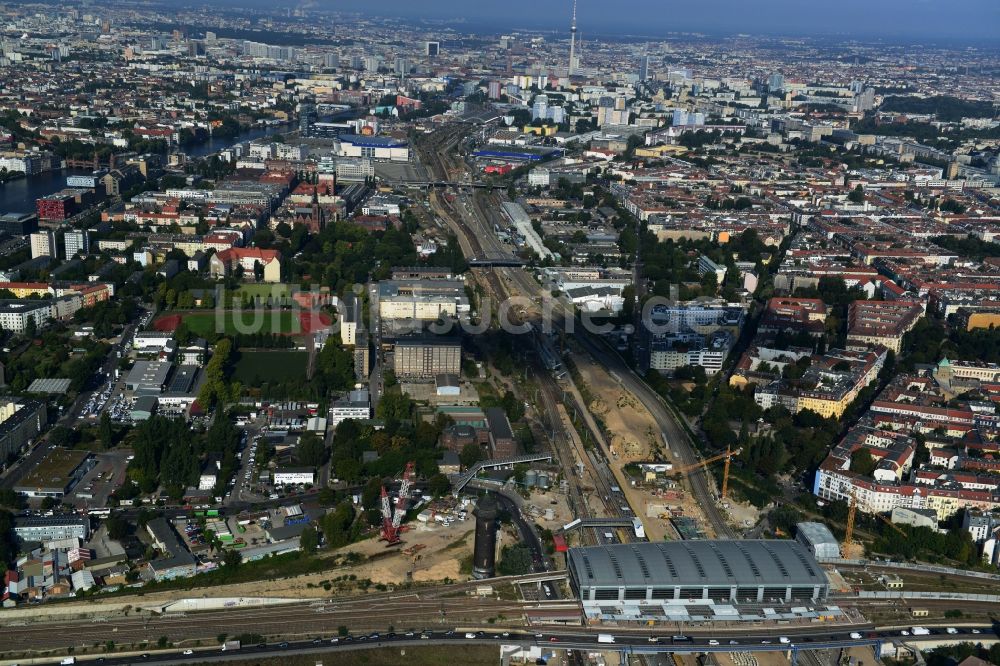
(55, 207)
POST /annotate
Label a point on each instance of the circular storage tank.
(543, 480)
(530, 478)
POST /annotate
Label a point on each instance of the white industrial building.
(818, 538)
(374, 147)
(519, 218)
(355, 406)
(293, 476)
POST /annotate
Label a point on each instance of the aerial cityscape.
(436, 333)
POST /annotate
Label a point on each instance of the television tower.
(572, 42)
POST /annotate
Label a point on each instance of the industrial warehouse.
(697, 580)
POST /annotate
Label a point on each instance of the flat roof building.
(426, 356)
(175, 560)
(49, 528)
(147, 377)
(55, 474)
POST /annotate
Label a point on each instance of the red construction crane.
(392, 519)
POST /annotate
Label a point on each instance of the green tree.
(337, 525)
(471, 454)
(117, 527)
(309, 539)
(105, 432)
(515, 560)
(11, 499)
(439, 485)
(311, 450)
(862, 462)
(214, 389)
(335, 365)
(628, 306)
(232, 559)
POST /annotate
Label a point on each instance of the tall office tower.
(432, 48)
(775, 82)
(331, 60)
(43, 244)
(572, 42)
(643, 68)
(540, 108)
(307, 116)
(76, 242)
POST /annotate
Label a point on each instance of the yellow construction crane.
(852, 514)
(727, 456)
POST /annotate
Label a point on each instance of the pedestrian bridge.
(459, 481)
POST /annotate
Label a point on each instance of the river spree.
(18, 196)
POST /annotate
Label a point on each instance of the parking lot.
(95, 404)
(245, 485)
(97, 485)
(120, 408)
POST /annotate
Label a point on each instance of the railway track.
(285, 621)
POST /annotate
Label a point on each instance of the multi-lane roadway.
(792, 639)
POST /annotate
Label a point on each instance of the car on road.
(734, 642)
(784, 640)
(855, 635)
(187, 652)
(282, 645)
(470, 635)
(712, 641)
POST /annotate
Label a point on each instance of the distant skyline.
(975, 20)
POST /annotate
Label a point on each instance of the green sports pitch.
(230, 322)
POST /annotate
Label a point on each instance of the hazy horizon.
(971, 20)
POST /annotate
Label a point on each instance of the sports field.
(243, 321)
(256, 367)
(248, 321)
